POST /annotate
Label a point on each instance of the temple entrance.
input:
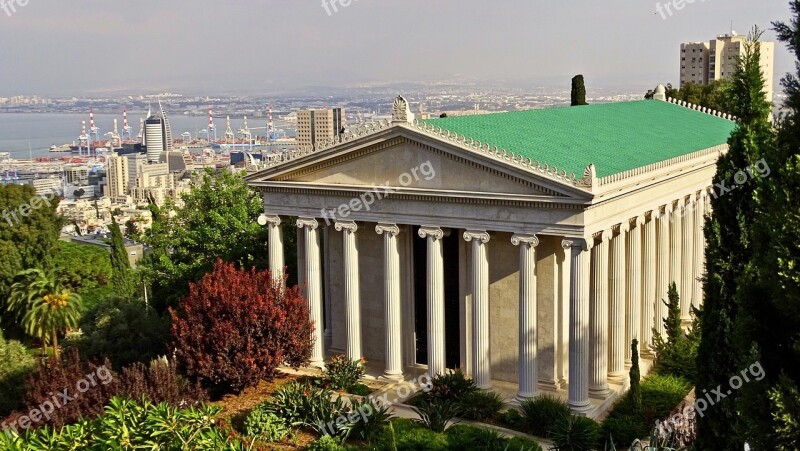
(450, 245)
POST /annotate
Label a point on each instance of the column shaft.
(352, 290)
(649, 283)
(391, 293)
(598, 362)
(699, 247)
(616, 349)
(675, 246)
(687, 258)
(275, 242)
(663, 271)
(436, 349)
(578, 398)
(528, 310)
(633, 316)
(313, 279)
(481, 341)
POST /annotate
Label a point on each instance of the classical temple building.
(527, 248)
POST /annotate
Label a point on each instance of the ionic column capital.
(273, 220)
(307, 222)
(578, 244)
(623, 227)
(349, 226)
(390, 229)
(526, 239)
(477, 235)
(434, 232)
(637, 221)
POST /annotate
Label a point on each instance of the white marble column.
(352, 289)
(633, 310)
(699, 250)
(663, 266)
(578, 398)
(649, 298)
(528, 309)
(481, 341)
(436, 349)
(598, 317)
(676, 245)
(391, 301)
(313, 280)
(275, 243)
(616, 336)
(687, 259)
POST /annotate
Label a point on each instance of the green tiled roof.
(615, 137)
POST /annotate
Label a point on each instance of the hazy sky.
(85, 47)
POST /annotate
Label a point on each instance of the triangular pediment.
(403, 158)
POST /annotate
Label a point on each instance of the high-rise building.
(705, 62)
(157, 135)
(319, 125)
(117, 173)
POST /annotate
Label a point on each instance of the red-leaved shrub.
(59, 393)
(236, 327)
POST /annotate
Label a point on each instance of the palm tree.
(43, 306)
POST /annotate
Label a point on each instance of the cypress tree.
(730, 248)
(578, 91)
(120, 265)
(636, 389)
(769, 300)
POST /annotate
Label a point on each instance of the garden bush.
(575, 433)
(406, 435)
(450, 386)
(328, 443)
(305, 405)
(512, 417)
(661, 394)
(436, 414)
(480, 405)
(343, 374)
(160, 382)
(123, 331)
(370, 422)
(126, 424)
(262, 423)
(540, 414)
(236, 326)
(15, 365)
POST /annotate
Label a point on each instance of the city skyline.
(264, 47)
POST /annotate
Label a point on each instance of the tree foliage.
(578, 95)
(15, 365)
(81, 267)
(714, 95)
(121, 277)
(236, 326)
(729, 248)
(218, 221)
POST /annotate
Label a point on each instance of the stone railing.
(702, 109)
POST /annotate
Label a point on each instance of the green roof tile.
(615, 137)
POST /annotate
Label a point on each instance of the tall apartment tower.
(158, 135)
(117, 173)
(706, 62)
(315, 126)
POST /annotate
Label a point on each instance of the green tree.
(770, 288)
(43, 306)
(713, 95)
(729, 248)
(219, 220)
(636, 377)
(15, 365)
(578, 94)
(120, 265)
(81, 267)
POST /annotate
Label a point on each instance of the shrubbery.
(480, 405)
(263, 423)
(575, 433)
(157, 383)
(405, 435)
(236, 326)
(15, 365)
(343, 374)
(123, 331)
(540, 414)
(129, 425)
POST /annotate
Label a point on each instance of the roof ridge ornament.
(401, 112)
